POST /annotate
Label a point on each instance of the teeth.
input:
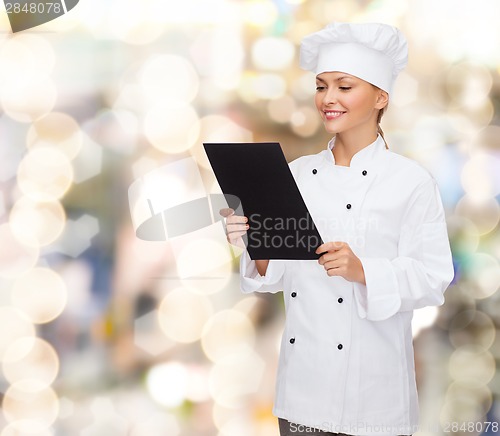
(334, 114)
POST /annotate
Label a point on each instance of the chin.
(332, 130)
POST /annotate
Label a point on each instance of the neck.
(348, 143)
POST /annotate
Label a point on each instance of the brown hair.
(379, 118)
(379, 129)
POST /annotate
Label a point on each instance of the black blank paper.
(258, 175)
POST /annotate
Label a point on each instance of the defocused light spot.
(271, 53)
(56, 130)
(281, 109)
(219, 54)
(41, 222)
(172, 129)
(259, 13)
(168, 77)
(30, 102)
(167, 383)
(463, 234)
(305, 121)
(203, 255)
(405, 90)
(218, 128)
(41, 294)
(465, 404)
(485, 271)
(197, 385)
(269, 86)
(472, 327)
(45, 174)
(25, 59)
(471, 365)
(149, 336)
(133, 25)
(235, 376)
(28, 400)
(26, 427)
(304, 88)
(31, 359)
(226, 333)
(468, 85)
(16, 257)
(480, 177)
(182, 315)
(160, 423)
(88, 162)
(19, 327)
(233, 420)
(483, 211)
(212, 282)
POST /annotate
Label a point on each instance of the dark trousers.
(288, 428)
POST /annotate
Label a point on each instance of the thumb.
(226, 212)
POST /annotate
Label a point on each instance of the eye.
(345, 88)
(320, 88)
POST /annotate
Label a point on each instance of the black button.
(315, 171)
(292, 340)
(340, 300)
(364, 172)
(340, 346)
(348, 206)
(294, 294)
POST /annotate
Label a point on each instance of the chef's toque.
(374, 52)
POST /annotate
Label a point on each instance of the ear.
(382, 99)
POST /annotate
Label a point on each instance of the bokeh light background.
(98, 334)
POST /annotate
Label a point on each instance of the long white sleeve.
(252, 281)
(423, 269)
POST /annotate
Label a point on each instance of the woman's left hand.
(339, 260)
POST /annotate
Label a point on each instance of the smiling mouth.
(332, 115)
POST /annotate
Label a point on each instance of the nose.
(330, 97)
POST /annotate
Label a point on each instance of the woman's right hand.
(236, 227)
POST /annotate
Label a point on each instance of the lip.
(333, 115)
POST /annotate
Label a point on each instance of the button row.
(294, 294)
(364, 172)
(339, 346)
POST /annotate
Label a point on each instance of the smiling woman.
(348, 104)
(346, 361)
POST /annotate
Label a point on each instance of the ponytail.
(379, 129)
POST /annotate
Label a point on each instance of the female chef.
(346, 361)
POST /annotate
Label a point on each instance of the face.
(346, 102)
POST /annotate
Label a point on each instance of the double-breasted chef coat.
(346, 360)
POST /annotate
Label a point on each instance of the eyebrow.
(338, 79)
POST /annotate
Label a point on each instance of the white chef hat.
(374, 52)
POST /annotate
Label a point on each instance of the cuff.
(379, 299)
(252, 281)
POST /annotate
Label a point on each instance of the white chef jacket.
(346, 360)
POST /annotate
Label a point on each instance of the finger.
(329, 246)
(225, 212)
(234, 219)
(237, 227)
(322, 248)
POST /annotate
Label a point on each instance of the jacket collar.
(363, 157)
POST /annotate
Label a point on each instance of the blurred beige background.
(99, 334)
